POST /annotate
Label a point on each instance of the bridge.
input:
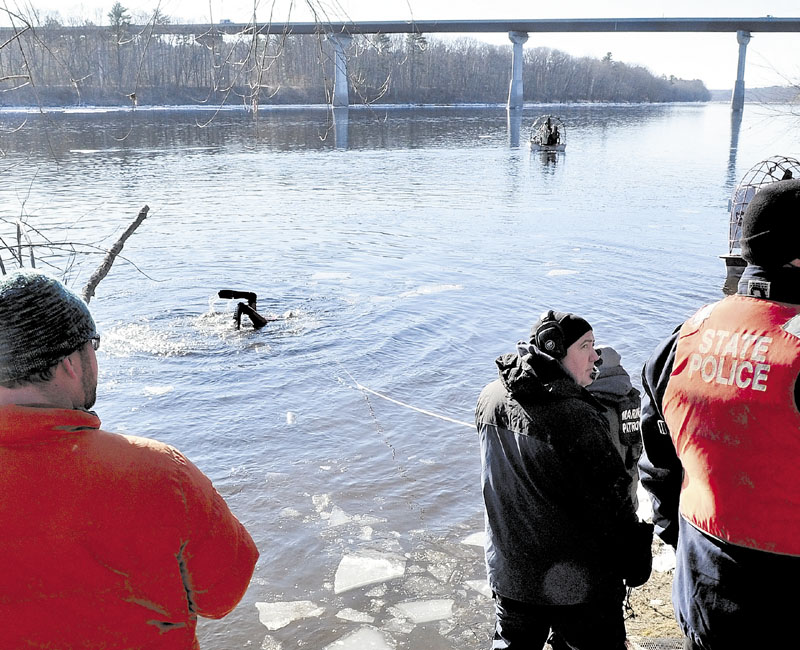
(341, 33)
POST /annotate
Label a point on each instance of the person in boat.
(548, 133)
(562, 536)
(554, 135)
(720, 424)
(109, 540)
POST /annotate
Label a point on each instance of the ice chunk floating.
(556, 272)
(429, 289)
(476, 539)
(277, 615)
(423, 611)
(367, 568)
(348, 614)
(481, 586)
(364, 639)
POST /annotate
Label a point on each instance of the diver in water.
(248, 309)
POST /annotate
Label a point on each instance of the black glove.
(637, 561)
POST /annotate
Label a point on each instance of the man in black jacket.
(721, 430)
(559, 514)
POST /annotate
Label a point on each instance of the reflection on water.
(403, 250)
(341, 124)
(514, 126)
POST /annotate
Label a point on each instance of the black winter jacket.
(557, 497)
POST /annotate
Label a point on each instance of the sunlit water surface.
(402, 251)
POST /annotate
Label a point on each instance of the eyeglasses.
(95, 340)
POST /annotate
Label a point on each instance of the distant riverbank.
(48, 67)
(766, 95)
(66, 97)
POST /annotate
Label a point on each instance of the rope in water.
(409, 406)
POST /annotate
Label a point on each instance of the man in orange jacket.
(108, 541)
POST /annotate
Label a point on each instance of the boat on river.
(771, 170)
(548, 134)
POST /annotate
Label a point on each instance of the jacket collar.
(24, 423)
(781, 284)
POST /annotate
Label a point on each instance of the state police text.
(732, 358)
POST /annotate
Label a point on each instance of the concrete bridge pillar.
(737, 99)
(515, 88)
(341, 96)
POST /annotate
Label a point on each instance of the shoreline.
(266, 108)
(652, 613)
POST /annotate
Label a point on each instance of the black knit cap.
(572, 327)
(41, 322)
(771, 225)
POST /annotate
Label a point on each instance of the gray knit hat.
(41, 322)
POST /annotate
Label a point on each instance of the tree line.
(124, 64)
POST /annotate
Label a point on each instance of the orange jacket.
(109, 541)
(731, 412)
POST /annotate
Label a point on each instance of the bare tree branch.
(105, 266)
(16, 35)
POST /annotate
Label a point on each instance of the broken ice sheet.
(423, 611)
(398, 625)
(481, 586)
(422, 585)
(270, 644)
(377, 592)
(277, 615)
(289, 513)
(321, 501)
(338, 517)
(476, 539)
(442, 572)
(367, 568)
(348, 614)
(367, 638)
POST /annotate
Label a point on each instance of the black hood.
(536, 375)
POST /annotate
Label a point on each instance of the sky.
(772, 59)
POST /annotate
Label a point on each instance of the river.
(402, 250)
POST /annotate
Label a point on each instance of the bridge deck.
(764, 24)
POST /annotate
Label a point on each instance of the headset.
(549, 337)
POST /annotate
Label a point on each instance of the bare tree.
(41, 64)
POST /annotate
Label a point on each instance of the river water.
(402, 250)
